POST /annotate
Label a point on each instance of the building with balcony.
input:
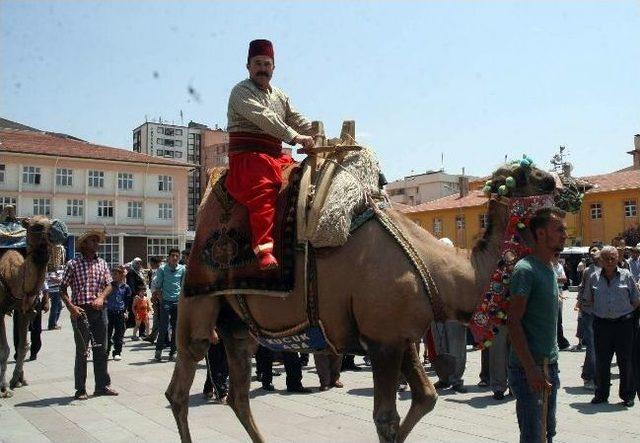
(138, 199)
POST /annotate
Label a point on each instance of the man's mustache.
(263, 74)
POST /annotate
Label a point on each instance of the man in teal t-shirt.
(532, 324)
(536, 281)
(167, 285)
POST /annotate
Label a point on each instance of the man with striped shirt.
(260, 119)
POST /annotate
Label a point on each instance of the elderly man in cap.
(614, 298)
(261, 117)
(585, 321)
(90, 281)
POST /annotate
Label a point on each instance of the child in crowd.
(117, 311)
(141, 309)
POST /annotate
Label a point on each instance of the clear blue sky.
(475, 80)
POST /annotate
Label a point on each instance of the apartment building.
(195, 143)
(139, 200)
(421, 188)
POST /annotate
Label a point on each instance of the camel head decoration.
(22, 276)
(370, 300)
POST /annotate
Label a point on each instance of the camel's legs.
(178, 392)
(18, 380)
(385, 363)
(423, 394)
(238, 346)
(4, 357)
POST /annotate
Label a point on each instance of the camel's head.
(521, 179)
(42, 233)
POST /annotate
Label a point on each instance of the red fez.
(260, 47)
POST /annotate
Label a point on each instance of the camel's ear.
(25, 222)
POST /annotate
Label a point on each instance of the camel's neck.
(36, 260)
(486, 255)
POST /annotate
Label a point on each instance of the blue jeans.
(168, 317)
(56, 307)
(589, 365)
(529, 404)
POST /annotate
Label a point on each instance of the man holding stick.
(532, 324)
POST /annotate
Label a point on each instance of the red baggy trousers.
(254, 179)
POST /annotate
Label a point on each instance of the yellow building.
(608, 208)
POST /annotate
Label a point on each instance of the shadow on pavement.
(481, 402)
(361, 392)
(589, 409)
(577, 390)
(45, 402)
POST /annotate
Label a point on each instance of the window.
(596, 211)
(110, 251)
(125, 180)
(2, 169)
(460, 224)
(437, 226)
(159, 246)
(193, 148)
(178, 154)
(96, 179)
(484, 221)
(165, 183)
(169, 131)
(630, 208)
(75, 208)
(160, 130)
(165, 211)
(5, 201)
(168, 142)
(64, 177)
(31, 175)
(178, 132)
(160, 152)
(42, 206)
(134, 209)
(137, 141)
(105, 208)
(177, 143)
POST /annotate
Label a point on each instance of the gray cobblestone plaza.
(46, 411)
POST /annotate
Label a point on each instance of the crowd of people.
(104, 303)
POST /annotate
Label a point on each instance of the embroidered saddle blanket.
(221, 258)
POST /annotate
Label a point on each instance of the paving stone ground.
(45, 410)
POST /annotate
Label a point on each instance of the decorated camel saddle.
(321, 201)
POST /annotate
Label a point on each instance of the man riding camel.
(260, 119)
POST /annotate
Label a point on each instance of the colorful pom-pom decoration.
(510, 182)
(486, 190)
(503, 190)
(488, 183)
(521, 225)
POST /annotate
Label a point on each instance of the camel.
(21, 279)
(370, 300)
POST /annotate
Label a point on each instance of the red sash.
(249, 142)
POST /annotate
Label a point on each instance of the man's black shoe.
(459, 389)
(498, 395)
(627, 403)
(104, 391)
(598, 400)
(268, 387)
(441, 385)
(299, 389)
